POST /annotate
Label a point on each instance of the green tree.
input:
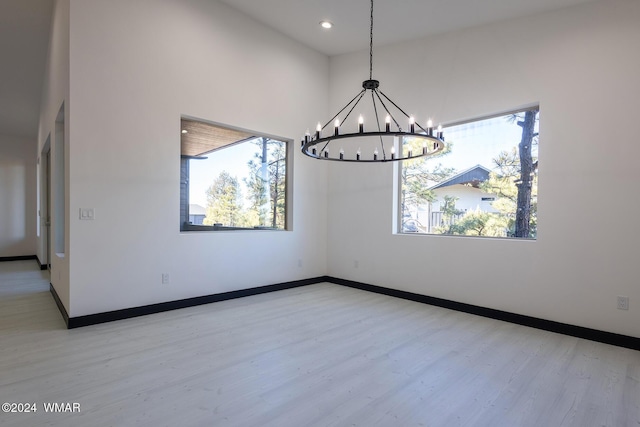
(450, 215)
(267, 183)
(224, 202)
(417, 177)
(525, 181)
(479, 223)
(515, 186)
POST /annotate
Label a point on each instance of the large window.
(484, 184)
(231, 179)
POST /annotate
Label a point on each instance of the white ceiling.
(394, 20)
(24, 32)
(24, 40)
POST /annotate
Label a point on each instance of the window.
(485, 183)
(232, 179)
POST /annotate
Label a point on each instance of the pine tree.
(224, 202)
(267, 183)
(417, 176)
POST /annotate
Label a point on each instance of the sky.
(479, 143)
(232, 159)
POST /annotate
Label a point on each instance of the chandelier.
(388, 143)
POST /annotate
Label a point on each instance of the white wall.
(136, 67)
(55, 94)
(17, 196)
(580, 65)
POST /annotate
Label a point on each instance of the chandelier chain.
(371, 45)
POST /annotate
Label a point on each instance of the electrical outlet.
(623, 303)
(165, 278)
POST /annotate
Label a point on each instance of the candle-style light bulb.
(409, 151)
(430, 127)
(424, 146)
(326, 153)
(341, 153)
(307, 135)
(375, 154)
(358, 154)
(336, 126)
(412, 124)
(318, 130)
(393, 152)
(387, 123)
(440, 131)
(360, 124)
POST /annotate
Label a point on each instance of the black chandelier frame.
(317, 146)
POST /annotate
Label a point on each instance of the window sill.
(192, 227)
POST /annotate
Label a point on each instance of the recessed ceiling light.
(184, 131)
(326, 24)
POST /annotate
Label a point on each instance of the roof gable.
(473, 176)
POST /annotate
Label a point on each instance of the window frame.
(398, 219)
(186, 226)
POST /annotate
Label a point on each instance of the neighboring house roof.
(197, 210)
(473, 176)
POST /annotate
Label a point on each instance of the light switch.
(87, 214)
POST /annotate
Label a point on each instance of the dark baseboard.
(24, 258)
(520, 319)
(56, 298)
(42, 266)
(18, 258)
(93, 319)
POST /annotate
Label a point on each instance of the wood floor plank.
(320, 355)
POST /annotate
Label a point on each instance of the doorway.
(45, 203)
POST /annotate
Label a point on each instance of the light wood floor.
(321, 355)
